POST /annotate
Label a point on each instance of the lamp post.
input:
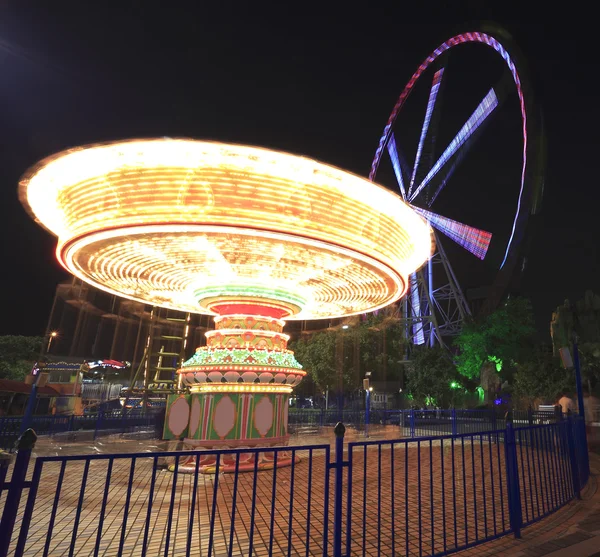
(51, 337)
(368, 389)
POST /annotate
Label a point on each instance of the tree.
(504, 337)
(540, 380)
(432, 377)
(589, 357)
(17, 355)
(317, 356)
(381, 346)
(583, 321)
(373, 343)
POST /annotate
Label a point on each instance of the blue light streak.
(393, 151)
(472, 239)
(464, 38)
(415, 301)
(485, 108)
(435, 87)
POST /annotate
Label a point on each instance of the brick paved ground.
(573, 531)
(398, 507)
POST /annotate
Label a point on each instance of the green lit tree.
(432, 378)
(17, 355)
(503, 339)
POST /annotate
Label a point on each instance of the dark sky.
(310, 81)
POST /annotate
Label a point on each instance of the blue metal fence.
(423, 496)
(420, 423)
(100, 423)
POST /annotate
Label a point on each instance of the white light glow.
(180, 223)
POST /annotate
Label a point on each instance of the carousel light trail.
(161, 221)
(252, 236)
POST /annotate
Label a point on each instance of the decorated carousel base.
(225, 421)
(229, 463)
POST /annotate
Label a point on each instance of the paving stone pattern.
(417, 498)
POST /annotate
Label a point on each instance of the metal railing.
(100, 423)
(425, 496)
(420, 423)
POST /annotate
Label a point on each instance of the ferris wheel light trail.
(465, 38)
(455, 163)
(415, 300)
(485, 108)
(472, 239)
(393, 151)
(435, 87)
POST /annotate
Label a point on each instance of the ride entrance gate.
(428, 496)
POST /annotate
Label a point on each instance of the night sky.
(316, 83)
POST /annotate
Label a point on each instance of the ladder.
(167, 340)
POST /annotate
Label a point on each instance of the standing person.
(566, 403)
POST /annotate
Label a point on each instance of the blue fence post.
(340, 430)
(411, 421)
(573, 457)
(453, 416)
(25, 445)
(582, 451)
(321, 417)
(585, 449)
(512, 480)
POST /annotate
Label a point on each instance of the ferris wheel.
(435, 307)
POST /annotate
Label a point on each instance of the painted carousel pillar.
(240, 384)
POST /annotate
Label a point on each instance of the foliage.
(582, 320)
(17, 355)
(541, 379)
(317, 356)
(384, 363)
(433, 378)
(503, 337)
(373, 343)
(589, 357)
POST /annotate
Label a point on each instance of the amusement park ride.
(250, 236)
(435, 308)
(255, 237)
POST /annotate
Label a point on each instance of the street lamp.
(51, 337)
(368, 389)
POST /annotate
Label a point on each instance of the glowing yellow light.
(240, 388)
(238, 332)
(182, 223)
